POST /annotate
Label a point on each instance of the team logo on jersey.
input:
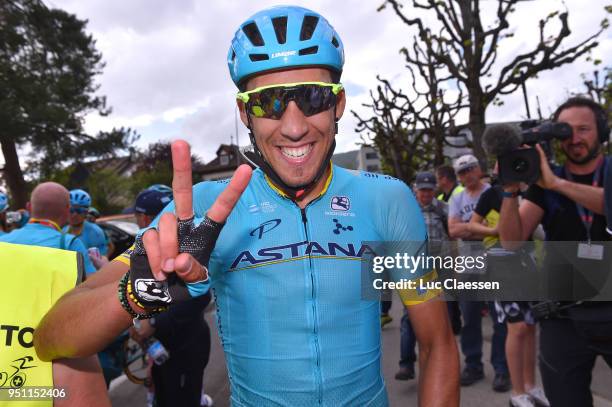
(265, 227)
(339, 227)
(340, 203)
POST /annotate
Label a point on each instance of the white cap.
(465, 161)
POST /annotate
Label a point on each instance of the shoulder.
(96, 229)
(375, 183)
(74, 243)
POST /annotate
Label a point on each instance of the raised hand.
(170, 264)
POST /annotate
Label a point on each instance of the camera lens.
(520, 165)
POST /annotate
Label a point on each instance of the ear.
(243, 113)
(340, 104)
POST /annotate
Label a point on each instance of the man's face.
(441, 181)
(470, 177)
(584, 143)
(295, 146)
(424, 196)
(77, 215)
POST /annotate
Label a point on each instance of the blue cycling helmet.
(164, 189)
(78, 197)
(284, 37)
(4, 204)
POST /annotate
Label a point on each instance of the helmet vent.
(253, 34)
(259, 57)
(308, 27)
(309, 50)
(280, 29)
(335, 42)
(233, 55)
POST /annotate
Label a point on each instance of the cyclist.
(294, 327)
(4, 204)
(90, 234)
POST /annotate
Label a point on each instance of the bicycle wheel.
(135, 365)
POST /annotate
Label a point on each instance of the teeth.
(296, 152)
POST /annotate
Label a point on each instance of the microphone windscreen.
(502, 138)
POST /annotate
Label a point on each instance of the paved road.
(124, 393)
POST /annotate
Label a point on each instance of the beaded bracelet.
(125, 304)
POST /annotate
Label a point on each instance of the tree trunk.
(13, 174)
(477, 127)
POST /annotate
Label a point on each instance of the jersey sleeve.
(484, 204)
(536, 194)
(407, 234)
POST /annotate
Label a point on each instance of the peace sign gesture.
(169, 264)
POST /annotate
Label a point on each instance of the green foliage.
(48, 63)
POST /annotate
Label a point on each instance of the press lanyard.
(46, 222)
(586, 216)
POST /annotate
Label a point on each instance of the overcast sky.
(166, 74)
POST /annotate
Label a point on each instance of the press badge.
(590, 251)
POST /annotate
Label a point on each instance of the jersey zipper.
(313, 293)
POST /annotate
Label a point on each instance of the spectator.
(461, 207)
(447, 183)
(42, 274)
(435, 213)
(520, 342)
(50, 204)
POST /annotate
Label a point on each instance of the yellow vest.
(33, 279)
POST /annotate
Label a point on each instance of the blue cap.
(425, 180)
(151, 202)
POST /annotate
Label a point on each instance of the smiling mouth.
(297, 152)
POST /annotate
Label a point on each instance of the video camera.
(516, 164)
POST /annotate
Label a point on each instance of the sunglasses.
(79, 210)
(270, 102)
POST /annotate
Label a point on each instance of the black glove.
(196, 236)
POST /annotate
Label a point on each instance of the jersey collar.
(284, 195)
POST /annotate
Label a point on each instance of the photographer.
(569, 202)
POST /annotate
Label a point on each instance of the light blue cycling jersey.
(287, 284)
(92, 235)
(35, 234)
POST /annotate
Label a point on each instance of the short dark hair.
(446, 171)
(601, 118)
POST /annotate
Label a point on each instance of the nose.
(293, 122)
(576, 138)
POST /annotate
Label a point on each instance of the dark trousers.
(385, 306)
(407, 342)
(471, 337)
(567, 356)
(177, 385)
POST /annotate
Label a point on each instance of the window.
(372, 156)
(224, 159)
(372, 168)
